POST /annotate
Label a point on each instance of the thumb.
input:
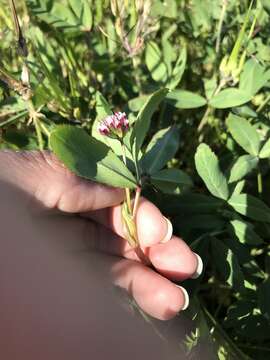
(41, 175)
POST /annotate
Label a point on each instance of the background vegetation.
(214, 125)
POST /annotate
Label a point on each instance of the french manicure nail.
(169, 231)
(186, 297)
(199, 268)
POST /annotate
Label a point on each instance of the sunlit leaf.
(243, 166)
(244, 134)
(208, 168)
(230, 97)
(183, 99)
(250, 206)
(265, 151)
(89, 158)
(245, 233)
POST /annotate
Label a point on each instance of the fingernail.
(169, 231)
(186, 297)
(199, 268)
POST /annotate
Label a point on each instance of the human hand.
(46, 180)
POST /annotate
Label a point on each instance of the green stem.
(136, 201)
(221, 20)
(137, 171)
(218, 328)
(204, 119)
(39, 134)
(259, 182)
(127, 190)
(44, 129)
(135, 64)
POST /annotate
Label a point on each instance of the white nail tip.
(186, 297)
(169, 231)
(199, 269)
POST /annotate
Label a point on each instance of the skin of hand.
(97, 211)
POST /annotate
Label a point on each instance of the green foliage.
(244, 134)
(245, 233)
(242, 167)
(187, 73)
(209, 170)
(250, 206)
(89, 158)
(183, 99)
(160, 150)
(143, 119)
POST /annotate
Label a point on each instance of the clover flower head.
(103, 129)
(114, 125)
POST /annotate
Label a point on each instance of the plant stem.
(44, 129)
(136, 201)
(39, 134)
(209, 108)
(259, 182)
(133, 212)
(135, 64)
(218, 327)
(221, 20)
(204, 119)
(127, 190)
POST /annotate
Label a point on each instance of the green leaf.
(143, 120)
(178, 70)
(244, 134)
(171, 181)
(227, 264)
(202, 221)
(245, 233)
(160, 150)
(250, 206)
(162, 8)
(103, 108)
(137, 103)
(208, 168)
(245, 111)
(87, 17)
(183, 99)
(239, 41)
(265, 151)
(230, 98)
(89, 158)
(168, 54)
(253, 77)
(239, 187)
(266, 5)
(155, 62)
(243, 166)
(190, 204)
(53, 83)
